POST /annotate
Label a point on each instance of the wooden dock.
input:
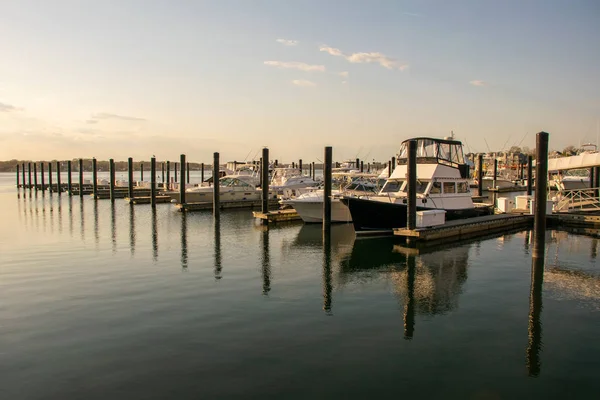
(465, 228)
(573, 219)
(208, 205)
(148, 199)
(277, 216)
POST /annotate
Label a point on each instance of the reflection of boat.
(342, 236)
(442, 184)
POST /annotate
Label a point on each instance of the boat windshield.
(436, 150)
(229, 182)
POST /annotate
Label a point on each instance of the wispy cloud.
(287, 42)
(296, 65)
(372, 57)
(344, 74)
(478, 82)
(411, 14)
(7, 108)
(344, 82)
(91, 121)
(105, 116)
(304, 83)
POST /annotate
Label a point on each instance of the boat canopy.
(443, 151)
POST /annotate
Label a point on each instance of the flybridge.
(434, 151)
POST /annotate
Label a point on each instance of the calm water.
(105, 301)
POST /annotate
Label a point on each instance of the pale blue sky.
(136, 78)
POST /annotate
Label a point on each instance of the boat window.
(392, 186)
(436, 188)
(463, 187)
(449, 187)
(422, 186)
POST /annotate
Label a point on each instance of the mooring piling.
(29, 175)
(327, 189)
(592, 178)
(529, 175)
(23, 173)
(299, 165)
(393, 165)
(480, 175)
(168, 185)
(541, 184)
(95, 178)
(130, 177)
(264, 172)
(141, 172)
(597, 181)
(494, 184)
(216, 187)
(69, 178)
(313, 171)
(357, 165)
(111, 172)
(175, 172)
(41, 176)
(18, 183)
(187, 170)
(58, 184)
(201, 174)
(35, 185)
(153, 187)
(182, 183)
(411, 209)
(389, 168)
(50, 177)
(362, 166)
(162, 167)
(81, 177)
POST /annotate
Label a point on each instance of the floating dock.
(208, 205)
(277, 216)
(148, 199)
(465, 228)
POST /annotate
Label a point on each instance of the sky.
(121, 78)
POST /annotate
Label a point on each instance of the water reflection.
(71, 216)
(266, 263)
(81, 220)
(113, 227)
(154, 236)
(593, 248)
(132, 230)
(96, 228)
(409, 301)
(534, 345)
(184, 243)
(217, 232)
(59, 215)
(327, 274)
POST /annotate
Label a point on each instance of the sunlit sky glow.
(83, 78)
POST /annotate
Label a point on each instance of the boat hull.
(378, 215)
(312, 211)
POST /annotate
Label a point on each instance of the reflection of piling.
(130, 177)
(409, 303)
(480, 175)
(529, 175)
(266, 263)
(132, 230)
(541, 183)
(154, 229)
(35, 185)
(218, 266)
(69, 177)
(184, 243)
(327, 273)
(327, 188)
(264, 172)
(50, 177)
(411, 218)
(111, 169)
(182, 184)
(113, 227)
(153, 184)
(534, 327)
(216, 187)
(81, 177)
(95, 177)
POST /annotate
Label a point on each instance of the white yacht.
(232, 188)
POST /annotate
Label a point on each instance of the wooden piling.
(541, 184)
(529, 175)
(480, 175)
(141, 172)
(153, 183)
(300, 165)
(58, 184)
(162, 166)
(597, 181)
(494, 183)
(130, 177)
(81, 177)
(69, 178)
(389, 168)
(168, 185)
(357, 165)
(201, 174)
(265, 180)
(327, 169)
(23, 173)
(182, 183)
(216, 187)
(50, 177)
(592, 179)
(393, 165)
(18, 183)
(95, 178)
(276, 163)
(42, 176)
(35, 185)
(313, 171)
(111, 171)
(187, 170)
(175, 172)
(362, 166)
(412, 185)
(29, 175)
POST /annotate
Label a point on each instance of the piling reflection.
(81, 220)
(266, 263)
(96, 227)
(593, 248)
(217, 251)
(71, 216)
(113, 227)
(409, 301)
(534, 345)
(184, 242)
(59, 215)
(154, 235)
(132, 230)
(327, 274)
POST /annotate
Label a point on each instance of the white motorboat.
(231, 188)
